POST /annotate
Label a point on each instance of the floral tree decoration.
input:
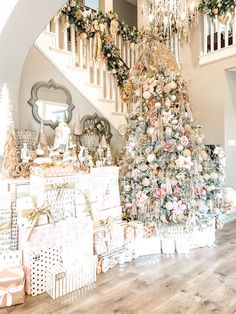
(218, 8)
(165, 163)
(104, 28)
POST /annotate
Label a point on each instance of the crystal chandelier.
(170, 16)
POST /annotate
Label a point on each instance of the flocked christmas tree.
(162, 167)
(10, 156)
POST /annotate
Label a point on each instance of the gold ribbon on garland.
(34, 214)
(4, 226)
(59, 187)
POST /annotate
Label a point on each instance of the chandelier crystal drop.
(170, 16)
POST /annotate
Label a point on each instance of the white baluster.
(104, 82)
(212, 27)
(218, 35)
(205, 33)
(65, 34)
(227, 34)
(234, 27)
(72, 44)
(128, 55)
(117, 98)
(56, 30)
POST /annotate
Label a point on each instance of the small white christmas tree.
(6, 116)
(9, 149)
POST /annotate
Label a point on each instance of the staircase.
(73, 57)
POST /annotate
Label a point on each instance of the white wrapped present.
(108, 186)
(10, 259)
(59, 192)
(148, 246)
(61, 281)
(32, 214)
(5, 220)
(168, 245)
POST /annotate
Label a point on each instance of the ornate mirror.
(51, 102)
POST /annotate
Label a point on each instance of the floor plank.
(204, 282)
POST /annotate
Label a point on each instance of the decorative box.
(101, 238)
(61, 281)
(32, 214)
(12, 286)
(76, 237)
(108, 186)
(203, 237)
(109, 213)
(168, 245)
(116, 236)
(36, 263)
(58, 192)
(148, 246)
(5, 220)
(53, 171)
(10, 259)
(109, 260)
(182, 245)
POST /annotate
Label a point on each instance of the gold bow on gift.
(4, 226)
(109, 222)
(60, 187)
(34, 214)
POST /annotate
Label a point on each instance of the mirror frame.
(34, 97)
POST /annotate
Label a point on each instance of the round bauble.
(180, 147)
(127, 188)
(150, 131)
(146, 95)
(169, 206)
(143, 167)
(172, 85)
(151, 157)
(173, 98)
(158, 105)
(146, 182)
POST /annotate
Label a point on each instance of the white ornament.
(173, 98)
(146, 182)
(180, 147)
(151, 157)
(158, 105)
(146, 95)
(127, 188)
(169, 206)
(150, 131)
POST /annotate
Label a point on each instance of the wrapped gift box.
(59, 192)
(10, 259)
(36, 263)
(12, 286)
(61, 281)
(109, 260)
(53, 171)
(101, 238)
(5, 220)
(108, 186)
(168, 246)
(116, 236)
(28, 211)
(76, 236)
(109, 213)
(182, 245)
(148, 246)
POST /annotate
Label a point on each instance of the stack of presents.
(57, 233)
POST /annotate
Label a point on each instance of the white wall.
(126, 11)
(230, 126)
(20, 30)
(38, 68)
(211, 98)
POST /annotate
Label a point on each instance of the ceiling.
(134, 2)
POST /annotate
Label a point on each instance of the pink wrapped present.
(101, 238)
(12, 286)
(129, 232)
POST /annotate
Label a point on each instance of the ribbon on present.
(109, 222)
(34, 213)
(4, 226)
(60, 188)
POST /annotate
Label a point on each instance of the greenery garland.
(87, 23)
(217, 8)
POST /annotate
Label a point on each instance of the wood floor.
(203, 283)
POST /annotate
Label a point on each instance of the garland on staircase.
(104, 28)
(222, 9)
